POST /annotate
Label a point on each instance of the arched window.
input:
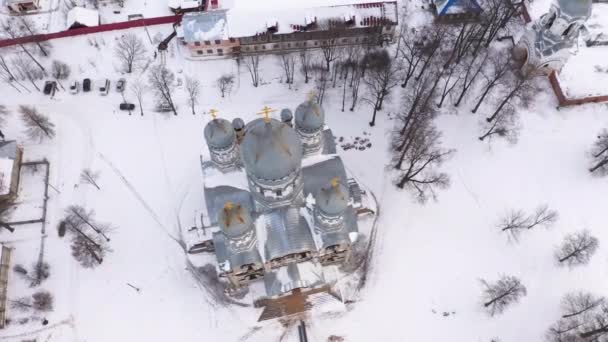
(549, 19)
(569, 29)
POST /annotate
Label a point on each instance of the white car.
(103, 86)
(74, 87)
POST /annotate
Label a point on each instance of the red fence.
(563, 99)
(88, 30)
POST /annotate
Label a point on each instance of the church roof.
(319, 174)
(293, 276)
(286, 115)
(575, 8)
(332, 199)
(219, 133)
(271, 150)
(287, 233)
(310, 116)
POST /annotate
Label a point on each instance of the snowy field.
(428, 259)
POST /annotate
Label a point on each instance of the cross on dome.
(213, 112)
(266, 112)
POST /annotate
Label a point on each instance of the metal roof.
(575, 8)
(202, 26)
(219, 133)
(238, 123)
(310, 116)
(8, 149)
(216, 197)
(293, 276)
(224, 253)
(318, 175)
(286, 115)
(251, 256)
(287, 233)
(329, 142)
(271, 150)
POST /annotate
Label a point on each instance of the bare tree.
(516, 221)
(60, 71)
(4, 114)
(89, 176)
(381, 78)
(12, 30)
(38, 126)
(78, 215)
(450, 81)
(411, 47)
(193, 89)
(40, 272)
(473, 67)
(288, 64)
(499, 68)
(498, 14)
(42, 301)
(322, 79)
(162, 84)
(499, 295)
(26, 70)
(329, 46)
(577, 249)
(305, 63)
(22, 304)
(599, 154)
(139, 90)
(584, 319)
(29, 28)
(88, 248)
(252, 63)
(355, 83)
(130, 51)
(505, 125)
(225, 84)
(520, 87)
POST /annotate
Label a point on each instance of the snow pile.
(82, 16)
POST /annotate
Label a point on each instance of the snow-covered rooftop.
(6, 170)
(246, 18)
(83, 16)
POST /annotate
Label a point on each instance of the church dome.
(271, 150)
(234, 220)
(333, 199)
(286, 115)
(575, 8)
(219, 133)
(238, 124)
(310, 117)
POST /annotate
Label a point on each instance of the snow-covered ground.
(428, 259)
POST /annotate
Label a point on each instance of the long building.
(241, 29)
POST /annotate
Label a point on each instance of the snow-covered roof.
(248, 18)
(239, 18)
(293, 276)
(203, 26)
(287, 233)
(184, 4)
(83, 16)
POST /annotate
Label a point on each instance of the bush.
(43, 301)
(19, 269)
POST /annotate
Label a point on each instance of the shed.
(10, 167)
(82, 17)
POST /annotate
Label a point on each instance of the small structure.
(22, 6)
(457, 10)
(222, 143)
(545, 46)
(10, 168)
(82, 17)
(183, 6)
(310, 119)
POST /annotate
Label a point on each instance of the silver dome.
(234, 220)
(310, 117)
(219, 133)
(238, 124)
(286, 115)
(333, 199)
(271, 150)
(575, 8)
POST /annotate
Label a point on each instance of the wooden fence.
(172, 19)
(562, 97)
(5, 259)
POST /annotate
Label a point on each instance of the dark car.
(127, 106)
(49, 87)
(86, 85)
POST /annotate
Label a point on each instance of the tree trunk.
(373, 122)
(598, 165)
(32, 57)
(483, 96)
(598, 331)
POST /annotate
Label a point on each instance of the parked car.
(126, 106)
(74, 87)
(104, 87)
(86, 85)
(49, 87)
(120, 85)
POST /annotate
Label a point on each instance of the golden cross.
(213, 112)
(228, 205)
(335, 181)
(266, 112)
(311, 95)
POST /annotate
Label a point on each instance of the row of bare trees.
(584, 319)
(89, 238)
